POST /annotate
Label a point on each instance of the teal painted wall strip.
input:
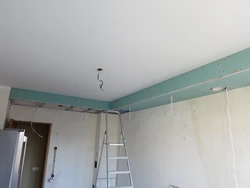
(228, 71)
(29, 95)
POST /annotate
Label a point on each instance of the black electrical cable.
(98, 78)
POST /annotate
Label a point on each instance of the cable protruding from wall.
(129, 114)
(172, 105)
(232, 140)
(31, 124)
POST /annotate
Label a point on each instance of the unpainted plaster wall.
(190, 147)
(74, 134)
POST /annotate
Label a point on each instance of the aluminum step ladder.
(120, 145)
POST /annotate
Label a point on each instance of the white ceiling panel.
(56, 46)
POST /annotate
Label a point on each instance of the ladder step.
(115, 158)
(106, 178)
(119, 172)
(114, 144)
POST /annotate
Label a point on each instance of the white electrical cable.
(32, 125)
(129, 115)
(172, 105)
(184, 88)
(232, 140)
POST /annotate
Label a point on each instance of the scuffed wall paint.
(211, 130)
(190, 147)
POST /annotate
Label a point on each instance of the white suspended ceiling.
(56, 46)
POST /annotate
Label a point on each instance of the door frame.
(12, 124)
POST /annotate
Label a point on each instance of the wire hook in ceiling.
(98, 78)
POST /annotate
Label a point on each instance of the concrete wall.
(74, 135)
(190, 147)
(4, 100)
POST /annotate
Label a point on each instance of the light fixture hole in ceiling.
(220, 88)
(99, 69)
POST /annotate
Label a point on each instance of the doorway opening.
(36, 153)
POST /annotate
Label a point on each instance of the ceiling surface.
(56, 46)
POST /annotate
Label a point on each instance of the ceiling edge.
(232, 72)
(43, 97)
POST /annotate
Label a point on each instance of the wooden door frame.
(12, 125)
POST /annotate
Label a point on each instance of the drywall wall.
(190, 147)
(74, 135)
(4, 100)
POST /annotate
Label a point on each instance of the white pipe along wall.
(191, 147)
(74, 134)
(4, 100)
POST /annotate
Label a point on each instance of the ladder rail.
(126, 152)
(107, 160)
(122, 143)
(100, 158)
(118, 161)
(128, 163)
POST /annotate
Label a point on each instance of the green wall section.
(232, 72)
(29, 95)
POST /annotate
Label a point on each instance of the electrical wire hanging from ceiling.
(98, 78)
(31, 124)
